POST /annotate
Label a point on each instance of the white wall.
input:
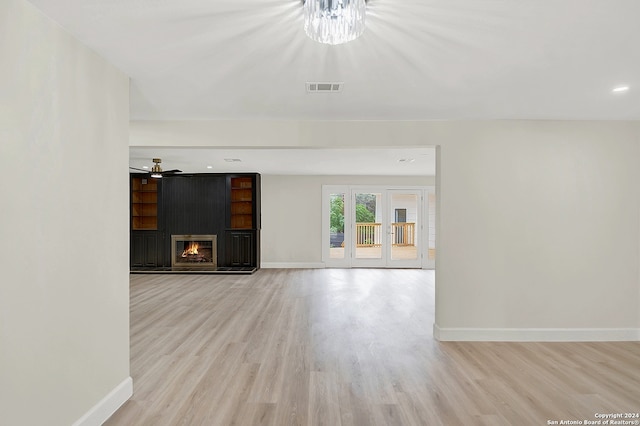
(292, 213)
(64, 335)
(539, 229)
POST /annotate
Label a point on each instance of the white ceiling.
(417, 59)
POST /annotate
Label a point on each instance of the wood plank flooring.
(342, 347)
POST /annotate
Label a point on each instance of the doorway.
(378, 227)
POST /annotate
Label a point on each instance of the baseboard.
(292, 265)
(108, 405)
(536, 334)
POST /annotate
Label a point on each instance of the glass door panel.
(336, 225)
(404, 228)
(369, 234)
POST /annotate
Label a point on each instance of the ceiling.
(417, 59)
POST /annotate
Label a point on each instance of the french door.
(376, 227)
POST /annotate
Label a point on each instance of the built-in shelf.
(241, 203)
(144, 204)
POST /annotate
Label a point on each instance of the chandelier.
(334, 21)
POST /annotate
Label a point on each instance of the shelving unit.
(242, 203)
(222, 204)
(144, 204)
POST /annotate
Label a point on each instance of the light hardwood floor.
(347, 347)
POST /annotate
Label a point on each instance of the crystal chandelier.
(334, 21)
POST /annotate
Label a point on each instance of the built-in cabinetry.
(242, 236)
(144, 222)
(241, 248)
(144, 203)
(241, 197)
(144, 249)
(226, 205)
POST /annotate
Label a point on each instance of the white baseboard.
(292, 265)
(536, 334)
(108, 405)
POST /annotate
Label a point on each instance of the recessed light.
(145, 167)
(232, 160)
(209, 167)
(620, 89)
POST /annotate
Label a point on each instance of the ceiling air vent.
(324, 87)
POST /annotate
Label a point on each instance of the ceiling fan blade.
(141, 170)
(172, 171)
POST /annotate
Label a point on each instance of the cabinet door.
(137, 249)
(144, 249)
(151, 249)
(241, 249)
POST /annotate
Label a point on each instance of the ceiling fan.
(156, 171)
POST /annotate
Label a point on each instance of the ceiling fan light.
(334, 21)
(156, 170)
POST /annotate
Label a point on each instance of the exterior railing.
(404, 234)
(368, 234)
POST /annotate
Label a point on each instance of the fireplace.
(194, 252)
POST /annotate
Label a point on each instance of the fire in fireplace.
(194, 251)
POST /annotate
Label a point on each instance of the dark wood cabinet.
(242, 242)
(226, 205)
(144, 222)
(144, 249)
(241, 249)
